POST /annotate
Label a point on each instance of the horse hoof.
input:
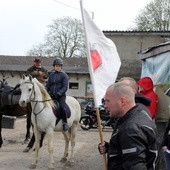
(70, 164)
(32, 166)
(71, 161)
(26, 141)
(63, 160)
(26, 149)
(51, 168)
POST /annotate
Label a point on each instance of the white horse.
(44, 120)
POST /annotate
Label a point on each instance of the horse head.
(27, 90)
(24, 77)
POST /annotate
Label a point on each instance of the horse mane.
(44, 92)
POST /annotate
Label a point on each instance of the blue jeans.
(167, 159)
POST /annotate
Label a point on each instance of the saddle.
(57, 111)
(9, 95)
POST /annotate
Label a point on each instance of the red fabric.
(96, 59)
(147, 84)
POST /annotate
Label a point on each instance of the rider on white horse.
(57, 86)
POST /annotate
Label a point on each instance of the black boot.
(65, 126)
(64, 118)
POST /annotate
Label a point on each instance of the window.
(89, 89)
(73, 85)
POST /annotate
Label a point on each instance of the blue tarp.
(158, 68)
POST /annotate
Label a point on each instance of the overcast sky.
(24, 22)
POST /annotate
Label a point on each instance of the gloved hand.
(51, 95)
(103, 147)
(56, 96)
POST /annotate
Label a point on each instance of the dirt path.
(86, 152)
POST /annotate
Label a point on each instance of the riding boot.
(64, 118)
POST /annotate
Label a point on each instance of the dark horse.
(11, 108)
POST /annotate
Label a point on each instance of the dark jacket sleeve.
(64, 88)
(165, 137)
(133, 149)
(139, 166)
(30, 70)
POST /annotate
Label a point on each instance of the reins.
(40, 100)
(36, 101)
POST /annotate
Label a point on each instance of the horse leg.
(73, 137)
(32, 141)
(67, 139)
(28, 126)
(30, 144)
(50, 135)
(28, 134)
(37, 147)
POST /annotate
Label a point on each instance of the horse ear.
(23, 76)
(30, 77)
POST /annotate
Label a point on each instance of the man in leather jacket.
(133, 144)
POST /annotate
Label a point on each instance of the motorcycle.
(89, 119)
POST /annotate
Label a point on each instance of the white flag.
(103, 59)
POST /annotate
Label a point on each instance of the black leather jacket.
(166, 137)
(133, 144)
(143, 102)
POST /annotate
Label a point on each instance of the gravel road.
(86, 152)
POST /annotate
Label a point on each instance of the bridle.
(33, 90)
(32, 99)
(36, 101)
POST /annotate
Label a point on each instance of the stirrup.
(65, 126)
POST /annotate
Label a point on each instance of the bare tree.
(154, 17)
(65, 38)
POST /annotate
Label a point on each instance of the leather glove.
(56, 96)
(103, 147)
(51, 95)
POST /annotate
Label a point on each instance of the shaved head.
(119, 98)
(131, 82)
(122, 89)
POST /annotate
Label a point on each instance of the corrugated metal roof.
(138, 33)
(155, 50)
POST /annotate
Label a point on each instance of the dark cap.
(37, 60)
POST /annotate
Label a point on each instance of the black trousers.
(61, 100)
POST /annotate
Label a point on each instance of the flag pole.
(101, 135)
(94, 90)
